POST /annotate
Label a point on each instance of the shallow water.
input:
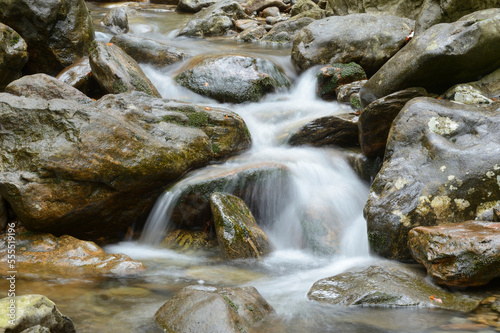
(319, 178)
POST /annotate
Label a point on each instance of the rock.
(331, 77)
(65, 256)
(368, 40)
(194, 6)
(149, 51)
(258, 5)
(460, 255)
(237, 232)
(489, 85)
(116, 20)
(388, 286)
(256, 183)
(33, 311)
(79, 76)
(90, 171)
(284, 32)
(215, 20)
(13, 55)
(440, 166)
(321, 232)
(365, 167)
(376, 119)
(213, 310)
(402, 8)
(438, 58)
(338, 130)
(45, 87)
(302, 6)
(187, 240)
(245, 24)
(271, 11)
(251, 34)
(117, 72)
(57, 32)
(446, 11)
(466, 94)
(232, 78)
(315, 13)
(345, 91)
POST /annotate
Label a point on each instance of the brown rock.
(464, 255)
(13, 55)
(258, 5)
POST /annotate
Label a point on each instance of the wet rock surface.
(438, 58)
(213, 310)
(376, 119)
(368, 40)
(440, 167)
(78, 170)
(117, 72)
(461, 255)
(44, 255)
(332, 77)
(116, 20)
(13, 55)
(79, 76)
(57, 32)
(45, 87)
(149, 51)
(284, 32)
(34, 313)
(388, 285)
(237, 232)
(232, 78)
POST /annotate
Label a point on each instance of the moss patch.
(231, 303)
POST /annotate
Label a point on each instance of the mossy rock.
(333, 76)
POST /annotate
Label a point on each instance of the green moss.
(14, 40)
(250, 308)
(377, 241)
(215, 148)
(231, 303)
(198, 119)
(355, 102)
(118, 87)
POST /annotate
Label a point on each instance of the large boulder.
(57, 32)
(338, 130)
(441, 166)
(90, 171)
(376, 119)
(213, 310)
(439, 58)
(402, 8)
(446, 11)
(33, 312)
(149, 51)
(46, 87)
(117, 72)
(461, 255)
(388, 286)
(237, 232)
(368, 40)
(45, 255)
(232, 78)
(284, 32)
(13, 55)
(214, 20)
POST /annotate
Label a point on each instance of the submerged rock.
(57, 32)
(46, 87)
(187, 240)
(117, 72)
(232, 78)
(238, 234)
(34, 313)
(339, 130)
(368, 40)
(213, 310)
(90, 171)
(45, 255)
(389, 285)
(149, 51)
(438, 58)
(441, 166)
(376, 119)
(13, 55)
(215, 20)
(462, 255)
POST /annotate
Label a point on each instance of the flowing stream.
(319, 179)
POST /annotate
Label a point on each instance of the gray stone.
(194, 6)
(116, 20)
(13, 55)
(284, 32)
(403, 8)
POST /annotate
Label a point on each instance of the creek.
(319, 178)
